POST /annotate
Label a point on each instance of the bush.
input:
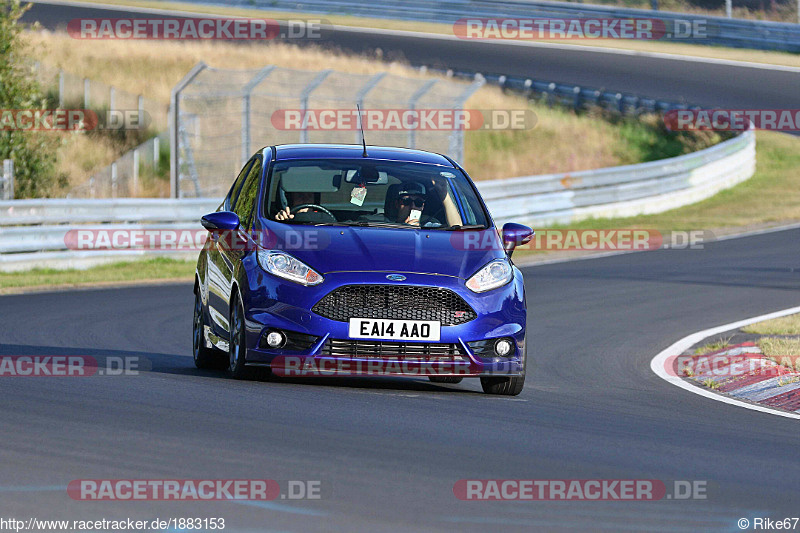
(33, 152)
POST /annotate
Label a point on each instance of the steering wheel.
(316, 207)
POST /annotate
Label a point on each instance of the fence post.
(111, 98)
(307, 90)
(8, 179)
(156, 154)
(362, 93)
(140, 107)
(252, 84)
(457, 135)
(174, 127)
(135, 185)
(87, 87)
(412, 105)
(61, 89)
(113, 180)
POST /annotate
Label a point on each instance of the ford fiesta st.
(343, 260)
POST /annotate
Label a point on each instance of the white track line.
(657, 365)
(578, 48)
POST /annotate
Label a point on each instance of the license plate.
(371, 328)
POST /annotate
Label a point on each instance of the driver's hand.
(412, 221)
(284, 214)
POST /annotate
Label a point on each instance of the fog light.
(503, 347)
(275, 339)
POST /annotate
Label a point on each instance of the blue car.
(350, 260)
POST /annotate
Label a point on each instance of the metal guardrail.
(738, 33)
(33, 232)
(630, 190)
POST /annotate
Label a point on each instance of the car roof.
(355, 151)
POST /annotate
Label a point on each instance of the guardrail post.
(174, 127)
(8, 179)
(111, 98)
(113, 180)
(140, 107)
(304, 95)
(576, 103)
(135, 185)
(156, 154)
(86, 92)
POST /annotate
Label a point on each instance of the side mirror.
(515, 235)
(220, 221)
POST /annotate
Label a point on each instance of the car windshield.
(372, 193)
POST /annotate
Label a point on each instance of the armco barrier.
(32, 231)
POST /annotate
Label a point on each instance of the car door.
(232, 249)
(217, 265)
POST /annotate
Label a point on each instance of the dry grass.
(713, 346)
(734, 54)
(784, 351)
(787, 325)
(549, 147)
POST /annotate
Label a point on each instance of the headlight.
(493, 275)
(287, 267)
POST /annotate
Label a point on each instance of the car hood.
(356, 249)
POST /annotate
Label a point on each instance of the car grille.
(398, 302)
(381, 349)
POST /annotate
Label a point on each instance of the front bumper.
(282, 305)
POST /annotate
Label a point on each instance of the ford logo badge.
(395, 277)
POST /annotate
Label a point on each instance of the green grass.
(788, 325)
(149, 269)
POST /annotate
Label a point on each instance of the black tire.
(445, 379)
(507, 386)
(204, 357)
(236, 346)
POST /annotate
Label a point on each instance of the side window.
(246, 201)
(230, 200)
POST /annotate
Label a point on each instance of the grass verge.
(787, 325)
(122, 272)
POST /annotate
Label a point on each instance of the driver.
(409, 203)
(295, 199)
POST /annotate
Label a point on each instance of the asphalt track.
(389, 451)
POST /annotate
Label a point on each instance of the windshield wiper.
(459, 227)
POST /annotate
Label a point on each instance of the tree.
(34, 153)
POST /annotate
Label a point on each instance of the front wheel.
(503, 385)
(204, 357)
(236, 344)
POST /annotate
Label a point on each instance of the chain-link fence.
(220, 117)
